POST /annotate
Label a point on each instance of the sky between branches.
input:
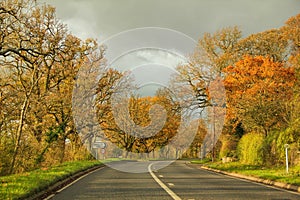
(102, 19)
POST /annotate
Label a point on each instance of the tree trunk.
(19, 134)
(62, 151)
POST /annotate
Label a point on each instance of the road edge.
(43, 194)
(277, 184)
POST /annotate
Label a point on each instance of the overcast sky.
(102, 19)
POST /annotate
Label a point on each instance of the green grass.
(26, 184)
(274, 174)
(203, 161)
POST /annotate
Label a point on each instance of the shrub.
(250, 148)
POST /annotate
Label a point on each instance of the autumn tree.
(216, 51)
(269, 43)
(291, 32)
(83, 98)
(264, 67)
(197, 144)
(257, 91)
(40, 60)
(132, 123)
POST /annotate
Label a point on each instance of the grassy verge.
(203, 161)
(274, 174)
(26, 184)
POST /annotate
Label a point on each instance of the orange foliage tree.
(120, 127)
(257, 92)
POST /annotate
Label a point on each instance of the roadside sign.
(99, 145)
(98, 139)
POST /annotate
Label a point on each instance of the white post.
(286, 146)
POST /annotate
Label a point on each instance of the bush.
(228, 147)
(250, 149)
(273, 148)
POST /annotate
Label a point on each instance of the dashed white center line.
(170, 184)
(160, 176)
(162, 185)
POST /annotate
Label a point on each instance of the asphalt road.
(176, 181)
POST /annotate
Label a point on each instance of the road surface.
(176, 181)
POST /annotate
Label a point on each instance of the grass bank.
(26, 184)
(274, 174)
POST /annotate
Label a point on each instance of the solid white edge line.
(162, 185)
(262, 184)
(73, 182)
(253, 182)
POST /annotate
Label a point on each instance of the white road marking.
(52, 195)
(160, 176)
(170, 184)
(249, 181)
(162, 185)
(261, 184)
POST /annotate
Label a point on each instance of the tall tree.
(40, 59)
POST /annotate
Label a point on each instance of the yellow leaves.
(140, 111)
(268, 43)
(216, 51)
(42, 59)
(291, 32)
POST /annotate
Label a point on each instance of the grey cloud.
(103, 18)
